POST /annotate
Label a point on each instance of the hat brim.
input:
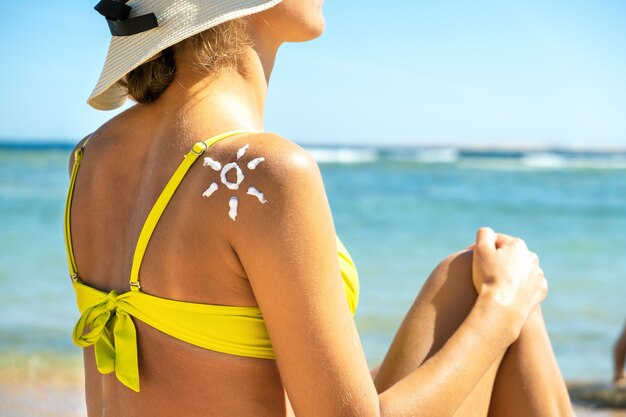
(177, 20)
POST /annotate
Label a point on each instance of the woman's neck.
(233, 96)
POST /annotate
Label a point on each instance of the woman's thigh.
(442, 305)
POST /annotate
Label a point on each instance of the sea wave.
(535, 161)
(421, 155)
(444, 155)
(573, 161)
(344, 155)
(356, 155)
(473, 158)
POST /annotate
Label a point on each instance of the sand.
(589, 412)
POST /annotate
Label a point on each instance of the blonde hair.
(212, 50)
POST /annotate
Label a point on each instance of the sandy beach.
(589, 412)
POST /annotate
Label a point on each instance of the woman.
(249, 227)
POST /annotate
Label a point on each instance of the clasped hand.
(508, 273)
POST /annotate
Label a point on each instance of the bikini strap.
(67, 235)
(157, 210)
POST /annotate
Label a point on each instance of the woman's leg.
(529, 371)
(441, 307)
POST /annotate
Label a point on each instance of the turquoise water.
(399, 212)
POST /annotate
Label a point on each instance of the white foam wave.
(437, 156)
(543, 160)
(546, 161)
(470, 159)
(551, 160)
(343, 155)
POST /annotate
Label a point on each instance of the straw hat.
(143, 28)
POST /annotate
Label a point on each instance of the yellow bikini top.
(229, 329)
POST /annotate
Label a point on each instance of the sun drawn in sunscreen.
(233, 202)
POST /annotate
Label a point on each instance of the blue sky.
(405, 72)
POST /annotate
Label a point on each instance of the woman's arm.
(288, 250)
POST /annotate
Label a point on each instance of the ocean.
(399, 211)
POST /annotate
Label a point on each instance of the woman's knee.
(445, 300)
(452, 277)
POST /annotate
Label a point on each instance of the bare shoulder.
(266, 160)
(282, 156)
(280, 169)
(281, 189)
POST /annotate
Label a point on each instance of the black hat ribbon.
(116, 13)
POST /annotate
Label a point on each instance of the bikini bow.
(113, 334)
(116, 13)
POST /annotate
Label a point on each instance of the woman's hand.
(507, 273)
